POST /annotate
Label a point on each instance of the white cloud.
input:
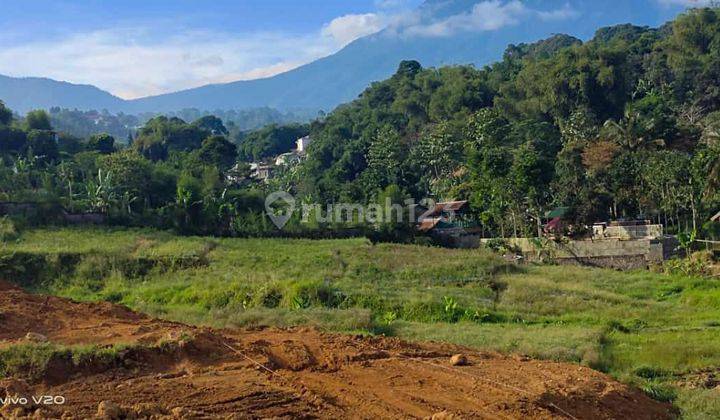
(686, 3)
(564, 13)
(488, 15)
(140, 61)
(261, 72)
(131, 62)
(391, 4)
(348, 28)
(134, 62)
(484, 16)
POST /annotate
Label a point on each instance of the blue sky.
(137, 48)
(40, 19)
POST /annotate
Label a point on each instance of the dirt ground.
(172, 370)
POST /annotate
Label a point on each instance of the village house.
(287, 159)
(263, 171)
(302, 144)
(293, 157)
(450, 223)
(444, 216)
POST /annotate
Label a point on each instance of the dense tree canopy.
(161, 135)
(219, 152)
(270, 141)
(103, 143)
(37, 120)
(556, 123)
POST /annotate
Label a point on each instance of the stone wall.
(633, 232)
(612, 253)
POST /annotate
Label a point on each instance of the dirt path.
(173, 370)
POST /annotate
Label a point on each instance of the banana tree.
(100, 192)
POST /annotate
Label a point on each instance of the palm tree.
(631, 131)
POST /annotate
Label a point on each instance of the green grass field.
(649, 329)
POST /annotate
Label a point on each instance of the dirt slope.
(180, 371)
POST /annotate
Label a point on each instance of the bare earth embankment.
(170, 369)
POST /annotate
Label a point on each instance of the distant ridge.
(26, 93)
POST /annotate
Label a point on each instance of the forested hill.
(626, 124)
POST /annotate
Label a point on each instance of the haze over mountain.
(439, 32)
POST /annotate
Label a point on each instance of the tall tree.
(211, 124)
(103, 143)
(37, 120)
(219, 152)
(5, 114)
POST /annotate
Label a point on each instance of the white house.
(303, 143)
(287, 159)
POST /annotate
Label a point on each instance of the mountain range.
(439, 32)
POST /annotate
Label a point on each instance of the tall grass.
(628, 324)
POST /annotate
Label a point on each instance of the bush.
(502, 246)
(696, 264)
(94, 268)
(660, 392)
(649, 372)
(269, 297)
(304, 294)
(8, 231)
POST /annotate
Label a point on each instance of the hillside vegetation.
(622, 126)
(658, 331)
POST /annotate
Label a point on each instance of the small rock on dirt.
(443, 415)
(148, 410)
(109, 410)
(171, 375)
(67, 415)
(458, 360)
(13, 387)
(35, 337)
(180, 413)
(41, 414)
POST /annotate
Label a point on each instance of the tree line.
(625, 125)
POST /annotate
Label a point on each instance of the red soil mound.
(181, 371)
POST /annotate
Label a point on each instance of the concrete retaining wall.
(633, 232)
(611, 253)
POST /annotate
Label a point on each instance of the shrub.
(8, 231)
(304, 294)
(696, 264)
(660, 392)
(269, 296)
(94, 268)
(649, 372)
